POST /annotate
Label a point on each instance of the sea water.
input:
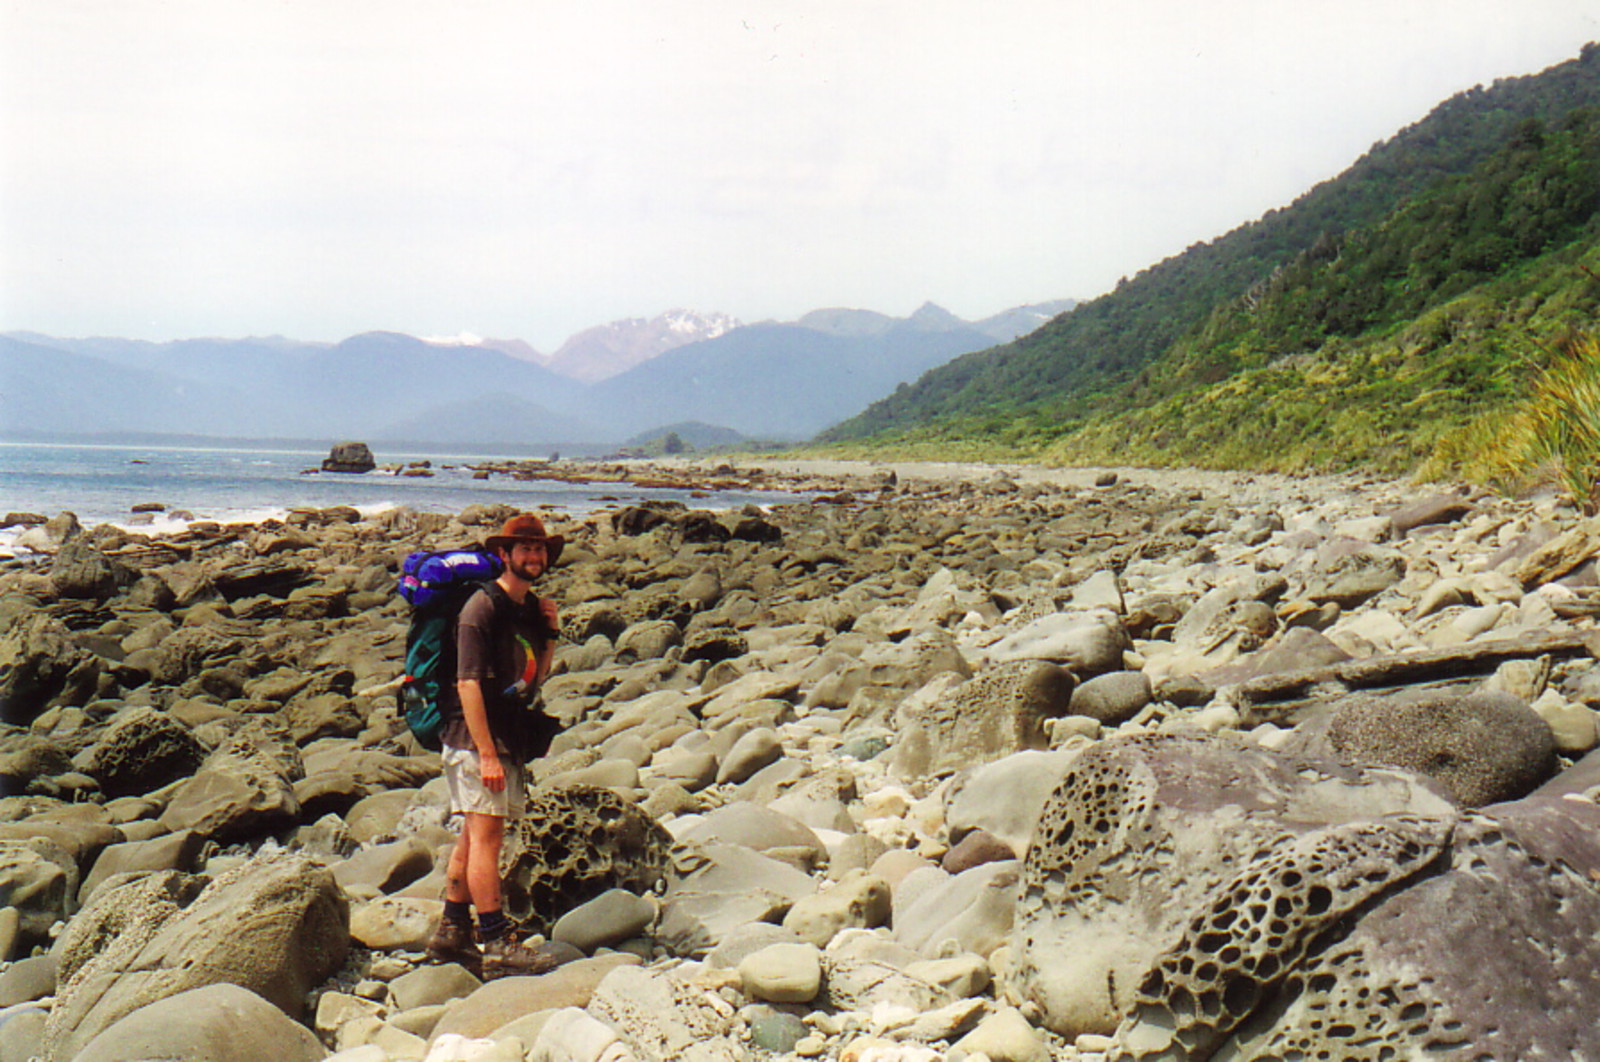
(103, 484)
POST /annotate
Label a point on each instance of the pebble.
(782, 973)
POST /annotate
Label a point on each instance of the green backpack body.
(436, 585)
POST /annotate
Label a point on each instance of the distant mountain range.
(611, 349)
(769, 380)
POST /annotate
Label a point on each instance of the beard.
(527, 571)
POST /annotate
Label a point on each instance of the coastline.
(836, 732)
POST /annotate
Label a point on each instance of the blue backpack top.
(436, 584)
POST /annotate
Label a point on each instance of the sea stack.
(349, 457)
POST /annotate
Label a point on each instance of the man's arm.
(477, 718)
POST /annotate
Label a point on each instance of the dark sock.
(492, 925)
(458, 913)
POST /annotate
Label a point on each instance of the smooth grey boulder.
(28, 979)
(1112, 698)
(752, 825)
(975, 909)
(505, 999)
(386, 867)
(719, 888)
(277, 925)
(214, 1023)
(1004, 798)
(1087, 643)
(647, 641)
(782, 973)
(750, 753)
(170, 851)
(858, 900)
(432, 984)
(609, 919)
(22, 1033)
(1143, 834)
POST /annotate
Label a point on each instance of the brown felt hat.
(525, 527)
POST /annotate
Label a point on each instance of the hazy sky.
(317, 168)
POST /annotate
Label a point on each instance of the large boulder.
(39, 879)
(217, 1023)
(277, 925)
(41, 666)
(1003, 799)
(243, 789)
(1371, 971)
(143, 749)
(999, 711)
(664, 1017)
(1141, 835)
(574, 843)
(1483, 748)
(349, 457)
(1088, 642)
(188, 651)
(81, 571)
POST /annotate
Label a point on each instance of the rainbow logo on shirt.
(530, 670)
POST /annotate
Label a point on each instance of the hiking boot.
(507, 957)
(453, 942)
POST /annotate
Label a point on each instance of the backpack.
(436, 585)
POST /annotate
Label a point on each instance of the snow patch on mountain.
(608, 350)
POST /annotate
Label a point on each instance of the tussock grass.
(1552, 437)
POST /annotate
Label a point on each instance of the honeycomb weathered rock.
(143, 749)
(1494, 957)
(1141, 835)
(1258, 926)
(998, 711)
(574, 843)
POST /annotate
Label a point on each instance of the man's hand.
(492, 771)
(552, 616)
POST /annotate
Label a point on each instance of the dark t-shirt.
(497, 643)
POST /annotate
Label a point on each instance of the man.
(504, 640)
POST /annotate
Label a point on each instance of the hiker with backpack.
(499, 647)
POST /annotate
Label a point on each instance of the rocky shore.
(945, 763)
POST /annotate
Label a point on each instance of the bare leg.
(474, 871)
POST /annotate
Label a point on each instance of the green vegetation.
(1369, 322)
(1553, 435)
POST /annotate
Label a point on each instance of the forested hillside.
(1403, 264)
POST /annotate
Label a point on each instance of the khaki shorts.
(467, 791)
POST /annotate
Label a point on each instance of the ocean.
(103, 484)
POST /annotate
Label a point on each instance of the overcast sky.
(526, 169)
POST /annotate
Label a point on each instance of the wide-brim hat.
(526, 527)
